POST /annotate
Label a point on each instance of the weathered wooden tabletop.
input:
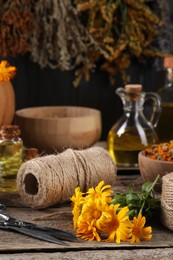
(18, 246)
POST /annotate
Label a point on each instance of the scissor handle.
(4, 217)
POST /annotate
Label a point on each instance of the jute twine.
(167, 200)
(48, 180)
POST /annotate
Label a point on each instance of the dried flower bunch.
(80, 34)
(123, 29)
(97, 217)
(16, 26)
(7, 72)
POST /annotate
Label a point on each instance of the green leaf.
(142, 201)
(118, 198)
(129, 189)
(147, 186)
(132, 197)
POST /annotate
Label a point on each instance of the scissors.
(47, 234)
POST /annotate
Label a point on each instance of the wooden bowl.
(151, 168)
(56, 128)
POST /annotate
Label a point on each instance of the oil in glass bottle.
(133, 132)
(165, 125)
(11, 151)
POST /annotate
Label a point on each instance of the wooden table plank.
(13, 242)
(150, 254)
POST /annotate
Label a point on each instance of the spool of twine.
(167, 201)
(48, 180)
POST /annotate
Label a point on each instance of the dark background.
(47, 87)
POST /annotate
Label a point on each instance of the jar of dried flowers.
(7, 95)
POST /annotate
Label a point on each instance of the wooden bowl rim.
(95, 112)
(142, 154)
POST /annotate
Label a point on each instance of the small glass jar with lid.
(11, 153)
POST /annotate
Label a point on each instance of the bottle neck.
(9, 136)
(133, 106)
(11, 139)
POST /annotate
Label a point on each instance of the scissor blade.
(60, 234)
(57, 233)
(36, 234)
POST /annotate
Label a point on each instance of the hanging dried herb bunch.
(166, 31)
(60, 40)
(16, 25)
(123, 29)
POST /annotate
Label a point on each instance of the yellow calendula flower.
(140, 232)
(101, 191)
(77, 201)
(116, 225)
(93, 209)
(6, 71)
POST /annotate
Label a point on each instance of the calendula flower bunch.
(7, 72)
(96, 216)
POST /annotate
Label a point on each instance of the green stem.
(152, 186)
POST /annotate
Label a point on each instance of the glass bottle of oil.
(11, 151)
(133, 132)
(165, 125)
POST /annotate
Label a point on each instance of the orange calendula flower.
(100, 192)
(140, 232)
(87, 230)
(6, 71)
(117, 225)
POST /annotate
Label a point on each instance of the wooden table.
(21, 247)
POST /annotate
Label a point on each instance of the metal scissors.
(47, 234)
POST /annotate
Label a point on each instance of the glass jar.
(133, 132)
(165, 125)
(11, 153)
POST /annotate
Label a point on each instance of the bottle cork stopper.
(30, 153)
(133, 88)
(9, 131)
(168, 62)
